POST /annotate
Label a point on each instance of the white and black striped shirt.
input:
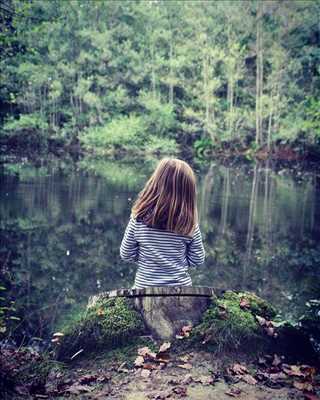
(163, 257)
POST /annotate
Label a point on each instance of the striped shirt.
(163, 257)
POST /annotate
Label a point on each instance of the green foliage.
(25, 124)
(122, 132)
(185, 69)
(108, 324)
(202, 146)
(159, 117)
(29, 130)
(156, 145)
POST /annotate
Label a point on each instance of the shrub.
(27, 130)
(121, 132)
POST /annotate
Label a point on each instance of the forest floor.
(191, 375)
(138, 373)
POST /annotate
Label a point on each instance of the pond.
(61, 225)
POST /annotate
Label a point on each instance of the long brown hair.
(168, 199)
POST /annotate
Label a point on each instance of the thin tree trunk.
(171, 74)
(259, 74)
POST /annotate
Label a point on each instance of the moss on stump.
(231, 321)
(108, 324)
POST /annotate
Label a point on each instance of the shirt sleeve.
(129, 246)
(195, 249)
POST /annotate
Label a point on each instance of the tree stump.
(165, 310)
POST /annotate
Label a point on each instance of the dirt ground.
(192, 376)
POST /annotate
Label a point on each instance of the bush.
(159, 117)
(121, 132)
(27, 130)
(158, 145)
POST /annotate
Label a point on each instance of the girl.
(163, 235)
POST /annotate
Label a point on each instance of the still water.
(61, 226)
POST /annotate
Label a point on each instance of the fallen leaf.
(238, 369)
(77, 389)
(164, 347)
(163, 358)
(205, 380)
(262, 321)
(88, 378)
(276, 360)
(146, 352)
(293, 370)
(187, 379)
(100, 311)
(233, 392)
(185, 366)
(303, 386)
(185, 330)
(122, 367)
(270, 331)
(138, 362)
(262, 361)
(180, 390)
(244, 303)
(145, 373)
(249, 379)
(149, 366)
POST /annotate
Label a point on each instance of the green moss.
(257, 305)
(230, 321)
(110, 323)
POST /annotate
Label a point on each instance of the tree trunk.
(259, 74)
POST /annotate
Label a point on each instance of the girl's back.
(163, 235)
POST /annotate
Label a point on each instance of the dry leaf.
(184, 358)
(233, 392)
(187, 379)
(238, 369)
(149, 366)
(88, 378)
(146, 353)
(205, 380)
(163, 358)
(262, 321)
(139, 361)
(293, 370)
(77, 389)
(244, 303)
(185, 330)
(276, 360)
(145, 373)
(249, 379)
(270, 331)
(185, 366)
(303, 386)
(164, 347)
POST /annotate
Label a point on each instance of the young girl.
(163, 235)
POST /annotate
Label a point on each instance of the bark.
(259, 74)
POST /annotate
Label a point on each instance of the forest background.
(156, 76)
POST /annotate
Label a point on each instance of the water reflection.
(61, 228)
